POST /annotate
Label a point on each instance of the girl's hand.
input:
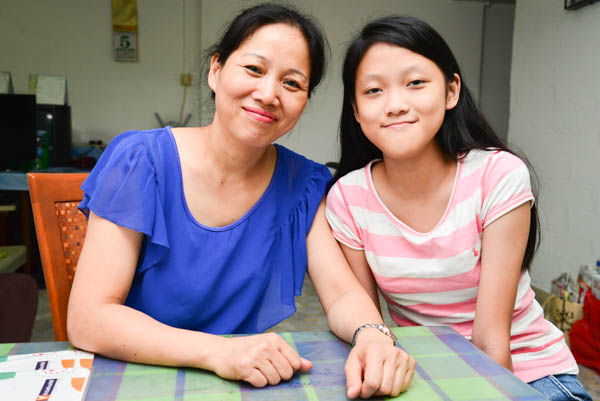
(376, 367)
(259, 359)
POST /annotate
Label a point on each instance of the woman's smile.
(260, 115)
(261, 89)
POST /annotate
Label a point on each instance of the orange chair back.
(60, 229)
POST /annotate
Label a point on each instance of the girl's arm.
(502, 250)
(374, 365)
(98, 320)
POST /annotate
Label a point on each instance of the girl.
(441, 219)
(210, 230)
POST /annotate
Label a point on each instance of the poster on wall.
(48, 89)
(6, 85)
(125, 34)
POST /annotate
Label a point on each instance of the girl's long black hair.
(464, 128)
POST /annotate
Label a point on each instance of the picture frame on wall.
(575, 4)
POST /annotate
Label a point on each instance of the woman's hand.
(376, 367)
(259, 359)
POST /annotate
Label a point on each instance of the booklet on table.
(60, 376)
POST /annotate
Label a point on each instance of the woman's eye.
(252, 68)
(292, 83)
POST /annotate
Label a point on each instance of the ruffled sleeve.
(122, 188)
(301, 186)
(301, 221)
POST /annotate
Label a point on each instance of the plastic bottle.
(41, 161)
(596, 280)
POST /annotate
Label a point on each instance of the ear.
(453, 92)
(213, 72)
(355, 109)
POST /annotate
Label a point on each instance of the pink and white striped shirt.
(432, 278)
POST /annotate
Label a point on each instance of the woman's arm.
(362, 271)
(502, 250)
(374, 365)
(99, 321)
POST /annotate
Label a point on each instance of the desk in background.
(448, 368)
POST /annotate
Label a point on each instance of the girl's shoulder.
(484, 161)
(358, 177)
(487, 155)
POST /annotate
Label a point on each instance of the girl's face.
(401, 98)
(262, 88)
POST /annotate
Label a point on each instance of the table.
(15, 257)
(448, 368)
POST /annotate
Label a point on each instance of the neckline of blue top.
(242, 219)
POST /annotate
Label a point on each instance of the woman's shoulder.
(151, 145)
(299, 166)
(299, 183)
(138, 138)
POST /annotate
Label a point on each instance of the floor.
(310, 316)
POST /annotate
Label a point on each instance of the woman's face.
(262, 88)
(401, 99)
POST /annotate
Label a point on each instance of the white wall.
(73, 38)
(555, 119)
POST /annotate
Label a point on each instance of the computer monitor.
(18, 139)
(55, 120)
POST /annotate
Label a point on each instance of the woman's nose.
(266, 91)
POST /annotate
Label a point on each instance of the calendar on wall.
(125, 46)
(125, 32)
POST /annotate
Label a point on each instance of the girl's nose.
(396, 104)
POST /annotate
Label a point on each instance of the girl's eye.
(252, 68)
(293, 84)
(416, 82)
(372, 91)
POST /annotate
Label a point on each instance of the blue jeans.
(561, 388)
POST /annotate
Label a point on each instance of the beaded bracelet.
(381, 327)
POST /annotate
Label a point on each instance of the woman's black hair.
(253, 18)
(464, 128)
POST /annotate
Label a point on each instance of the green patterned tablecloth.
(448, 368)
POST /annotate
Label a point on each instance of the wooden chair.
(60, 229)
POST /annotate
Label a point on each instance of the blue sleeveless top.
(241, 278)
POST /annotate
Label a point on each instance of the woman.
(210, 229)
(441, 218)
